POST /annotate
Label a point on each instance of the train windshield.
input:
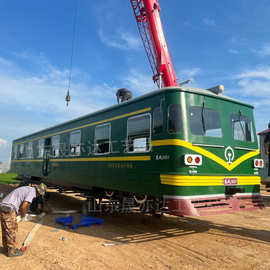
(205, 122)
(208, 122)
(242, 128)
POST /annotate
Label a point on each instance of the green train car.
(192, 149)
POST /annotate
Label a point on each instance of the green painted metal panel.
(144, 176)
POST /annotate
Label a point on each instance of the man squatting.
(15, 202)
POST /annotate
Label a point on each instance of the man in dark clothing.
(123, 94)
(15, 202)
(267, 147)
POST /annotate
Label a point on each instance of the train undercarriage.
(99, 200)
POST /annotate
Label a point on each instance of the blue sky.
(211, 42)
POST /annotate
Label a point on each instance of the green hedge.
(8, 178)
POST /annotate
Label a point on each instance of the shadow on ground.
(139, 228)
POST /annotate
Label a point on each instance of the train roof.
(207, 92)
(152, 93)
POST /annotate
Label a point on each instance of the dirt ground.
(233, 241)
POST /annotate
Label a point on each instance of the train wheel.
(140, 199)
(109, 193)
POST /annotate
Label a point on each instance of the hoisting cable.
(72, 49)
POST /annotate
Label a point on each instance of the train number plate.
(230, 181)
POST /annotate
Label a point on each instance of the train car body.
(189, 147)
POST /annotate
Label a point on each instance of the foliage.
(8, 178)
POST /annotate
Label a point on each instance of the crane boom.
(151, 31)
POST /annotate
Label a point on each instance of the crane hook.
(68, 97)
(72, 50)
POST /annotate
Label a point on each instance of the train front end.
(214, 161)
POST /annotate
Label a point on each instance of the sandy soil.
(234, 241)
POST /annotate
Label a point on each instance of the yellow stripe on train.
(96, 159)
(206, 153)
(186, 180)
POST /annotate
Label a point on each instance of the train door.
(46, 156)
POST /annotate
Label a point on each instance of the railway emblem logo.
(229, 155)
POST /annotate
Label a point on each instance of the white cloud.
(262, 72)
(5, 62)
(46, 92)
(254, 87)
(3, 142)
(209, 22)
(139, 82)
(233, 51)
(254, 84)
(265, 50)
(31, 101)
(188, 74)
(26, 55)
(120, 40)
(142, 83)
(5, 147)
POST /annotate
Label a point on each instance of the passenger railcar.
(190, 148)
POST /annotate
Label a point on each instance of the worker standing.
(123, 94)
(15, 202)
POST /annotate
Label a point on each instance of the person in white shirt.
(14, 203)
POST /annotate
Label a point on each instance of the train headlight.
(258, 163)
(189, 160)
(193, 160)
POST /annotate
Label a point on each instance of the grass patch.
(8, 178)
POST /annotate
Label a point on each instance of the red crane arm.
(151, 31)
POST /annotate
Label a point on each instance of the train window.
(157, 120)
(55, 146)
(75, 143)
(40, 147)
(174, 118)
(21, 150)
(242, 128)
(205, 122)
(138, 133)
(102, 139)
(29, 150)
